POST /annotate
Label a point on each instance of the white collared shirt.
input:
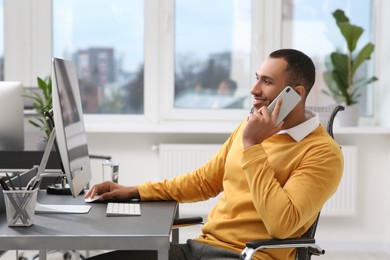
(300, 131)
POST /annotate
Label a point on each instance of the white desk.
(150, 231)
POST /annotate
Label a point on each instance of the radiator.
(343, 202)
(176, 159)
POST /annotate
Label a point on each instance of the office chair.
(183, 222)
(305, 245)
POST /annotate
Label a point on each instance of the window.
(105, 39)
(1, 40)
(310, 26)
(212, 54)
(158, 64)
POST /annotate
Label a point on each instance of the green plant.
(341, 68)
(42, 102)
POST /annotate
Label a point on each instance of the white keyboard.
(117, 209)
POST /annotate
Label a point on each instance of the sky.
(99, 23)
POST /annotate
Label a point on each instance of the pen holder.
(20, 206)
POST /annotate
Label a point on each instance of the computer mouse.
(94, 198)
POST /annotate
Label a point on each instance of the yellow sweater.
(274, 189)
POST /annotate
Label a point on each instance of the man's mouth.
(259, 102)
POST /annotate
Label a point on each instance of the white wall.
(138, 162)
(369, 230)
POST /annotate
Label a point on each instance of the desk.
(150, 231)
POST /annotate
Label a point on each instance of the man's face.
(271, 80)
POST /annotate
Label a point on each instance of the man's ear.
(300, 90)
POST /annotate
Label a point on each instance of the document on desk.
(117, 209)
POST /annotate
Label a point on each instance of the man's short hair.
(300, 68)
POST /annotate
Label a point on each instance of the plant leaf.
(350, 32)
(340, 69)
(41, 100)
(340, 16)
(362, 82)
(364, 54)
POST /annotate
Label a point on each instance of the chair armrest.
(182, 222)
(255, 245)
(279, 242)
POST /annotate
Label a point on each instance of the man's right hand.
(112, 191)
(261, 124)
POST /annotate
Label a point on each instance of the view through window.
(1, 40)
(212, 53)
(105, 39)
(310, 26)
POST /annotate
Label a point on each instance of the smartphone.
(290, 100)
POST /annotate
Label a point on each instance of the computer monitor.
(69, 125)
(11, 116)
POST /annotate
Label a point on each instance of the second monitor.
(69, 125)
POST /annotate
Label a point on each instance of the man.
(226, 87)
(274, 179)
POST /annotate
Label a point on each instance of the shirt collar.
(300, 131)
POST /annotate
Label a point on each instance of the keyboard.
(117, 209)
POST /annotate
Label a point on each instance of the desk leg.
(42, 254)
(163, 254)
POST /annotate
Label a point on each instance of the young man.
(274, 179)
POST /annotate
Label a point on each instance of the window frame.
(262, 13)
(28, 52)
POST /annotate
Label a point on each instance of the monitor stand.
(46, 208)
(59, 189)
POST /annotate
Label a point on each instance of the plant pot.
(350, 116)
(41, 146)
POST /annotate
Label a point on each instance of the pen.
(35, 185)
(10, 181)
(3, 184)
(31, 184)
(19, 181)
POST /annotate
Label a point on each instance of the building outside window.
(212, 54)
(106, 43)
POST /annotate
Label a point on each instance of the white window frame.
(28, 51)
(265, 17)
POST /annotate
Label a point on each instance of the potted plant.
(41, 102)
(340, 76)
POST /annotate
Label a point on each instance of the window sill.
(212, 128)
(360, 130)
(201, 128)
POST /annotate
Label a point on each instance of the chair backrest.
(327, 115)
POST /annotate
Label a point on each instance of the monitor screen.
(69, 125)
(11, 116)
